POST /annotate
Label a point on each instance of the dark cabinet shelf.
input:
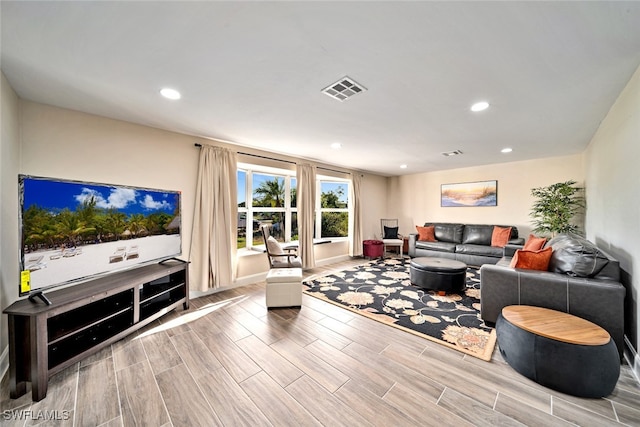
(73, 320)
(81, 341)
(44, 339)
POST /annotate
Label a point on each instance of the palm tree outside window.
(271, 198)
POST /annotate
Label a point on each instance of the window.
(267, 195)
(332, 219)
(272, 201)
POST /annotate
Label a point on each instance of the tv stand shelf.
(82, 319)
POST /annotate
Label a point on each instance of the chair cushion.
(282, 262)
(273, 246)
(390, 232)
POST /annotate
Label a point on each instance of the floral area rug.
(381, 290)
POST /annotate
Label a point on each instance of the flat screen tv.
(72, 231)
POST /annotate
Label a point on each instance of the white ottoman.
(284, 287)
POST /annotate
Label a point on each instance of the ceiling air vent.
(343, 89)
(452, 153)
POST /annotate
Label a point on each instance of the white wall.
(613, 194)
(375, 205)
(9, 246)
(68, 144)
(415, 199)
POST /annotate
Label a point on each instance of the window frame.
(249, 210)
(320, 179)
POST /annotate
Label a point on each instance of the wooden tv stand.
(84, 318)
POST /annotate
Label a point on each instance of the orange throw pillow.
(534, 243)
(532, 260)
(500, 236)
(426, 234)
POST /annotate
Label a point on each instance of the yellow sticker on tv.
(25, 281)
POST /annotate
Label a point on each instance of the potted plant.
(555, 207)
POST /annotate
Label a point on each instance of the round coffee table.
(558, 350)
(438, 274)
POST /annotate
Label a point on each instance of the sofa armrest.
(413, 238)
(511, 248)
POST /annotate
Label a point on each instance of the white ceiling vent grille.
(452, 153)
(343, 89)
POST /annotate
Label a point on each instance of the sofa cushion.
(437, 246)
(446, 232)
(575, 256)
(426, 234)
(534, 243)
(477, 234)
(532, 260)
(482, 250)
(500, 236)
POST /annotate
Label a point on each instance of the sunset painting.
(481, 193)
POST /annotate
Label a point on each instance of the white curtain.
(213, 237)
(355, 247)
(306, 203)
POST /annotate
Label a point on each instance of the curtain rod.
(256, 155)
(280, 160)
(333, 170)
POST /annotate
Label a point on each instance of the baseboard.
(261, 277)
(335, 259)
(632, 358)
(245, 280)
(4, 362)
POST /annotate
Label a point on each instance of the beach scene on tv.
(75, 230)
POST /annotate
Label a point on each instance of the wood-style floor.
(229, 361)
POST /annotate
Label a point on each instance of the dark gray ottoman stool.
(438, 274)
(558, 350)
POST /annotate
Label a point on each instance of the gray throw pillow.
(575, 256)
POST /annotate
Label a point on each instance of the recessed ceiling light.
(479, 106)
(403, 166)
(336, 146)
(506, 150)
(170, 93)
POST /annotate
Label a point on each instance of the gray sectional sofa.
(469, 243)
(582, 280)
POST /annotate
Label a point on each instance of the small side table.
(558, 350)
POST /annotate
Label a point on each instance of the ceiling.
(251, 73)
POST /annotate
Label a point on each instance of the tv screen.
(73, 231)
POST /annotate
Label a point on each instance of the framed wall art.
(479, 193)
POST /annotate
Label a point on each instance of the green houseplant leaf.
(555, 208)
